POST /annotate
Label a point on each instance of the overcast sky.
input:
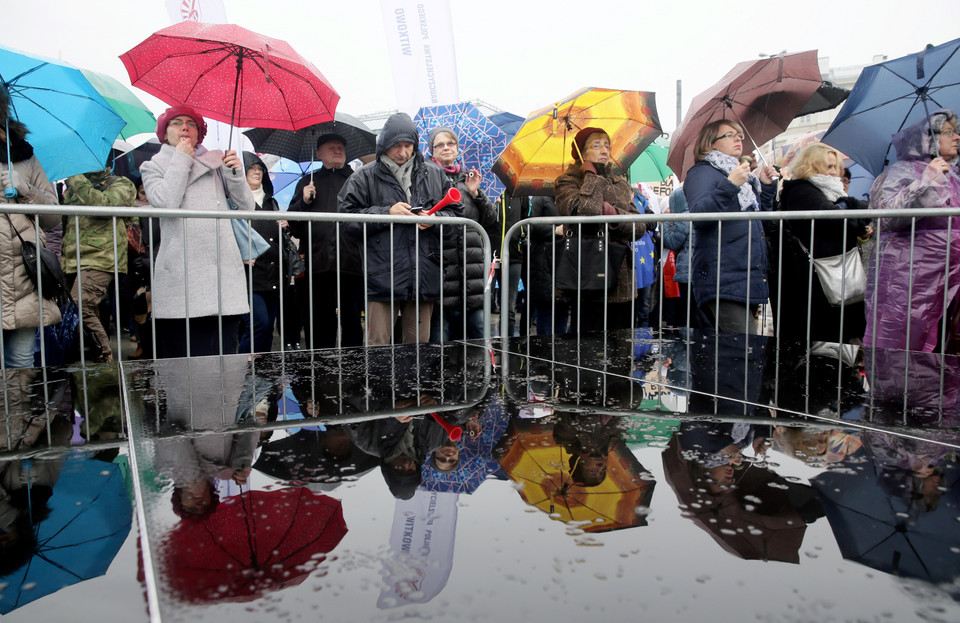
(518, 56)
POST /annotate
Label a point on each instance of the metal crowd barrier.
(305, 246)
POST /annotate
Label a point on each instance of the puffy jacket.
(411, 254)
(743, 245)
(19, 303)
(467, 263)
(543, 253)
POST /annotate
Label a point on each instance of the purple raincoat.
(906, 185)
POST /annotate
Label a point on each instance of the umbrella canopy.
(71, 126)
(827, 97)
(890, 96)
(255, 542)
(508, 122)
(285, 174)
(122, 100)
(763, 96)
(481, 141)
(739, 528)
(783, 155)
(311, 456)
(128, 162)
(90, 517)
(651, 165)
(887, 532)
(301, 146)
(540, 151)
(232, 74)
(540, 465)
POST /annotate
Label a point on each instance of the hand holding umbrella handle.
(452, 196)
(453, 432)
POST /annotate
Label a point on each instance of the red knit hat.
(176, 111)
(580, 140)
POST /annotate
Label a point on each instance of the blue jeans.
(18, 347)
(265, 311)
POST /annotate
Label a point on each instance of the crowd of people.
(383, 282)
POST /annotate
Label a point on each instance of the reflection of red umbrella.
(767, 529)
(763, 96)
(231, 74)
(253, 543)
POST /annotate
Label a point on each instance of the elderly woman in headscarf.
(914, 284)
(199, 288)
(591, 187)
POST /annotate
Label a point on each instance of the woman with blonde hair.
(816, 185)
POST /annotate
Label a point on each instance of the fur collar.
(20, 150)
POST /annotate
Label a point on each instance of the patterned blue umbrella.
(476, 460)
(481, 140)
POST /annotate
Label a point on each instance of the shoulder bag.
(252, 245)
(841, 276)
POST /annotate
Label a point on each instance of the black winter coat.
(266, 268)
(460, 262)
(544, 256)
(329, 183)
(413, 255)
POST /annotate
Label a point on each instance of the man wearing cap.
(333, 286)
(402, 261)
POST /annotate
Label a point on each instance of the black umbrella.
(301, 146)
(827, 96)
(314, 456)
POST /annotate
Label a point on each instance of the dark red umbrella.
(232, 74)
(763, 96)
(253, 543)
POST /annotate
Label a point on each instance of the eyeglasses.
(442, 145)
(948, 133)
(177, 123)
(739, 135)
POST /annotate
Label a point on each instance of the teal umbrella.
(651, 165)
(122, 100)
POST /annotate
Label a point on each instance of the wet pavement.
(683, 477)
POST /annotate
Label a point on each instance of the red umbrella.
(763, 96)
(231, 74)
(255, 542)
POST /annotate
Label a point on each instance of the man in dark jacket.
(333, 285)
(402, 261)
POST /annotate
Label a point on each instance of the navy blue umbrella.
(878, 525)
(892, 95)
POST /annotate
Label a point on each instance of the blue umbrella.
(90, 517)
(890, 96)
(481, 141)
(285, 174)
(884, 530)
(72, 127)
(508, 122)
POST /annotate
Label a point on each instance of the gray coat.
(188, 259)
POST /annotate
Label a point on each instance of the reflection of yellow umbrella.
(535, 461)
(540, 151)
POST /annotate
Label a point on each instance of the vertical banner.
(209, 11)
(421, 544)
(419, 36)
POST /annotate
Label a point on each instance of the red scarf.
(455, 169)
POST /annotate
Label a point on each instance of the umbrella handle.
(9, 192)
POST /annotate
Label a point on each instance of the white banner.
(422, 538)
(209, 11)
(419, 35)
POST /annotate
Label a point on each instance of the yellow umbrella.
(542, 467)
(540, 150)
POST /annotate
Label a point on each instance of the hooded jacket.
(411, 254)
(19, 303)
(906, 185)
(266, 270)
